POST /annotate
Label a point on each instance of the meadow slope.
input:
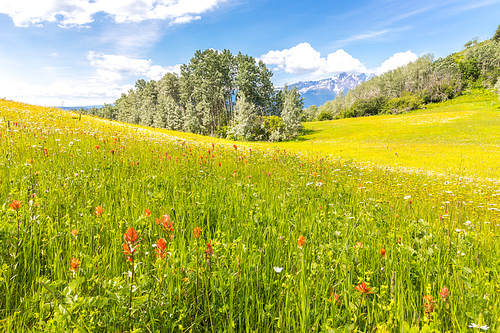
(112, 227)
(460, 136)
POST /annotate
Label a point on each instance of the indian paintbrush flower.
(197, 232)
(363, 289)
(444, 293)
(130, 246)
(74, 265)
(165, 223)
(130, 236)
(209, 251)
(429, 304)
(15, 205)
(301, 241)
(161, 246)
(98, 211)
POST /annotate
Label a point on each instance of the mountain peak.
(320, 91)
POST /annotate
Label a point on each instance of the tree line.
(217, 94)
(423, 81)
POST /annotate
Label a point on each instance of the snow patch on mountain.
(318, 92)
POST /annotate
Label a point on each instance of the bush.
(273, 129)
(469, 69)
(405, 103)
(369, 107)
(324, 115)
(309, 114)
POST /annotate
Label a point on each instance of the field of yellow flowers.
(460, 136)
(108, 227)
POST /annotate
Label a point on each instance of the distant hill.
(79, 107)
(318, 92)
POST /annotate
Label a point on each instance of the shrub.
(324, 115)
(272, 129)
(405, 103)
(368, 107)
(469, 69)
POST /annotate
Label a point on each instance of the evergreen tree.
(496, 37)
(174, 115)
(244, 120)
(292, 109)
(169, 111)
(192, 121)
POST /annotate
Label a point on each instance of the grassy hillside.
(108, 227)
(460, 137)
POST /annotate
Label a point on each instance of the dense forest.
(216, 94)
(423, 81)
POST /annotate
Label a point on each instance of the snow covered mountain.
(318, 92)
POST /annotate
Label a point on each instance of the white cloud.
(364, 36)
(303, 58)
(80, 12)
(341, 61)
(396, 60)
(71, 93)
(111, 76)
(112, 68)
(185, 19)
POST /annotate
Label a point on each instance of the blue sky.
(87, 52)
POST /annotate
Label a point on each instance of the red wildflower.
(97, 147)
(336, 298)
(129, 252)
(165, 223)
(74, 232)
(363, 289)
(75, 264)
(197, 232)
(382, 252)
(126, 249)
(147, 212)
(444, 293)
(209, 251)
(130, 236)
(301, 241)
(161, 246)
(15, 205)
(98, 211)
(429, 304)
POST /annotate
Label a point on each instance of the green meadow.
(384, 223)
(459, 136)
